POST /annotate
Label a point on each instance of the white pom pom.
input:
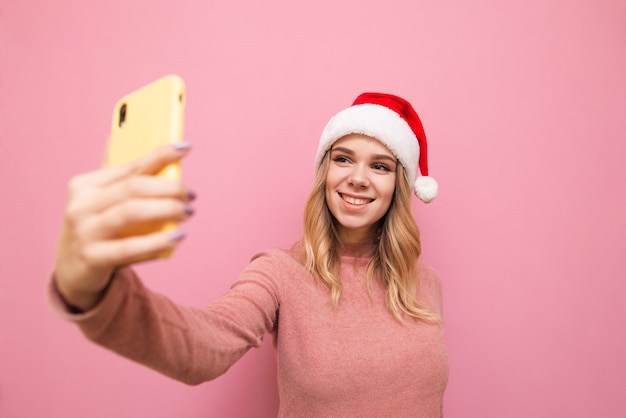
(426, 188)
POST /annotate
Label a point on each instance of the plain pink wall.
(524, 104)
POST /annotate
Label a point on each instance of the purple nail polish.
(177, 235)
(189, 210)
(182, 146)
(191, 195)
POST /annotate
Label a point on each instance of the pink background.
(524, 104)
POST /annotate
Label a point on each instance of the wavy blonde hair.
(394, 262)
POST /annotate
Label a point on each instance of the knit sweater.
(355, 359)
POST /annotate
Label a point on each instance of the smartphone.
(143, 120)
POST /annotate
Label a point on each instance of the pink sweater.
(353, 360)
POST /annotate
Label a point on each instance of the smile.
(354, 200)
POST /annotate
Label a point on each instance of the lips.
(359, 201)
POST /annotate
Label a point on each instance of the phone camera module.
(122, 118)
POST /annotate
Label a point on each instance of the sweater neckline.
(358, 250)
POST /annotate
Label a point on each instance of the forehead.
(360, 142)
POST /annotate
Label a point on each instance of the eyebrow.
(376, 156)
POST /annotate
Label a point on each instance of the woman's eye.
(382, 167)
(340, 159)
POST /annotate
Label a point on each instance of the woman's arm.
(189, 344)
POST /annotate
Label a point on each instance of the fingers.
(104, 202)
(97, 199)
(98, 190)
(124, 251)
(109, 222)
(155, 161)
(151, 163)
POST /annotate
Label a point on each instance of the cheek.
(327, 186)
(331, 181)
(328, 192)
(330, 201)
(388, 188)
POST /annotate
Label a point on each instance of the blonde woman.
(360, 329)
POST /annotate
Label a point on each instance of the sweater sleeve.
(189, 344)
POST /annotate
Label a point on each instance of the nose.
(358, 176)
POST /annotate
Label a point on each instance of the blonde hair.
(394, 262)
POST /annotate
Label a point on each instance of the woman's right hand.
(102, 203)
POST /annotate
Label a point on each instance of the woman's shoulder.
(426, 273)
(430, 287)
(277, 259)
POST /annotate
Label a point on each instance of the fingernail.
(189, 210)
(177, 235)
(191, 195)
(182, 146)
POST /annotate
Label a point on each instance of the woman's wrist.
(70, 308)
(76, 302)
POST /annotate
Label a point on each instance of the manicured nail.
(191, 195)
(189, 210)
(177, 235)
(182, 146)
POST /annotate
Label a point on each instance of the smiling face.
(360, 184)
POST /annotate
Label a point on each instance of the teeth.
(354, 201)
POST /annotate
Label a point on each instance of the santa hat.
(391, 120)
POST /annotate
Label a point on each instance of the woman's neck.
(357, 237)
(358, 249)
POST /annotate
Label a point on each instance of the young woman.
(360, 330)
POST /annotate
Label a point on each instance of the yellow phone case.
(143, 120)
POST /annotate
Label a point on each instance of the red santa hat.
(391, 120)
